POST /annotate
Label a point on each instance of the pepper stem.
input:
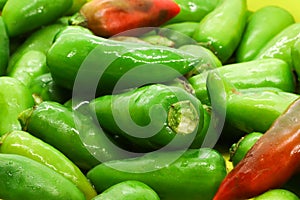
(78, 19)
(24, 117)
(183, 117)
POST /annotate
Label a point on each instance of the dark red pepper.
(109, 17)
(270, 163)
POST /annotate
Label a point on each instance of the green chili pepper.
(74, 134)
(262, 26)
(2, 3)
(128, 190)
(24, 16)
(253, 109)
(41, 40)
(24, 144)
(238, 150)
(257, 73)
(14, 98)
(44, 88)
(195, 174)
(24, 178)
(277, 194)
(280, 45)
(193, 10)
(221, 30)
(29, 66)
(4, 48)
(153, 116)
(140, 62)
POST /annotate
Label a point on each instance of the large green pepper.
(193, 174)
(153, 116)
(24, 178)
(75, 56)
(262, 26)
(258, 73)
(4, 48)
(14, 98)
(128, 190)
(253, 109)
(74, 134)
(24, 144)
(24, 16)
(193, 10)
(221, 30)
(281, 44)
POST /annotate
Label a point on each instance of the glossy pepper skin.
(257, 173)
(25, 144)
(261, 27)
(126, 15)
(228, 17)
(14, 98)
(250, 74)
(206, 167)
(128, 190)
(24, 178)
(68, 132)
(277, 194)
(153, 116)
(4, 48)
(74, 52)
(193, 10)
(45, 89)
(280, 45)
(24, 16)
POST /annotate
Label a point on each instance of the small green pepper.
(14, 98)
(192, 174)
(221, 30)
(24, 178)
(4, 48)
(74, 134)
(193, 10)
(24, 144)
(257, 73)
(281, 44)
(24, 16)
(262, 26)
(153, 116)
(128, 190)
(277, 194)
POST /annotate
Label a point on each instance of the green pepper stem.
(24, 117)
(78, 19)
(183, 117)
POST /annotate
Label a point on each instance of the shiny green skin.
(195, 175)
(4, 48)
(25, 144)
(142, 105)
(248, 75)
(24, 16)
(240, 149)
(2, 3)
(221, 30)
(70, 50)
(277, 194)
(193, 10)
(29, 66)
(24, 178)
(14, 98)
(296, 57)
(280, 45)
(128, 190)
(262, 26)
(65, 130)
(46, 89)
(41, 40)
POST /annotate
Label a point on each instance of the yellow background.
(293, 6)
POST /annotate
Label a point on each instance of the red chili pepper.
(109, 17)
(273, 159)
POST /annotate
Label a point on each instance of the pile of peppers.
(148, 99)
